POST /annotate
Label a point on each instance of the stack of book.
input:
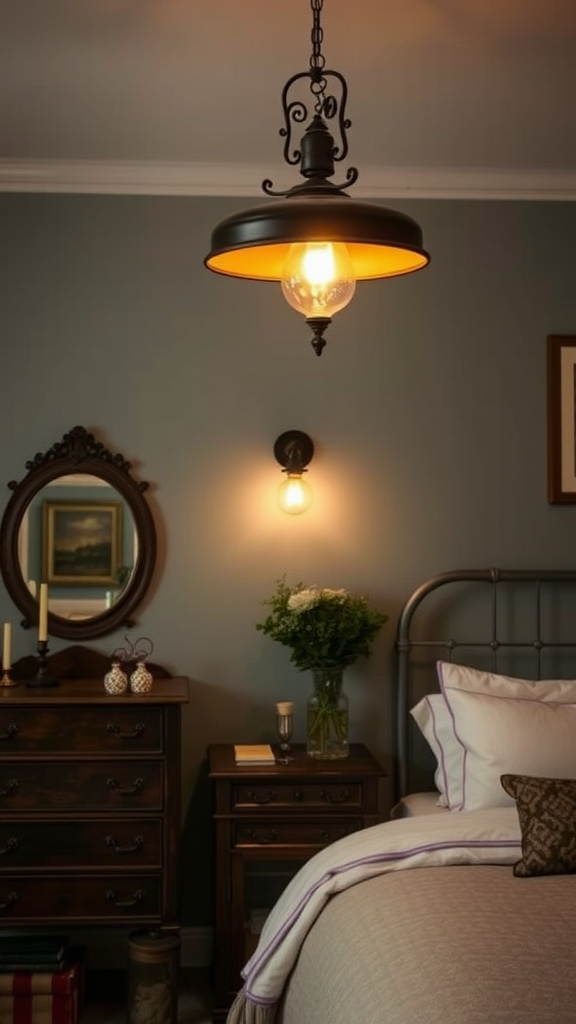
(41, 979)
(253, 754)
(21, 952)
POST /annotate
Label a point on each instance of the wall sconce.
(294, 450)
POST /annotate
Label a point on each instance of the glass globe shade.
(318, 278)
(294, 495)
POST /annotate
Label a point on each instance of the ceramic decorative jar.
(116, 680)
(141, 679)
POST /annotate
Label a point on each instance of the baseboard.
(107, 948)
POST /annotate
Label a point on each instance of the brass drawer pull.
(118, 848)
(10, 900)
(136, 786)
(136, 898)
(11, 845)
(11, 786)
(262, 798)
(262, 838)
(333, 798)
(11, 731)
(115, 730)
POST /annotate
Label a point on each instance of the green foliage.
(324, 628)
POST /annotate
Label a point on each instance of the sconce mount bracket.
(294, 450)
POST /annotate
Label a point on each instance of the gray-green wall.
(427, 408)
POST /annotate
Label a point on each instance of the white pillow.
(462, 677)
(434, 717)
(502, 735)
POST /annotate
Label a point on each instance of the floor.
(106, 999)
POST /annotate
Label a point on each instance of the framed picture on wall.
(562, 418)
(81, 542)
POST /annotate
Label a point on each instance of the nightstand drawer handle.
(330, 837)
(11, 786)
(11, 845)
(262, 798)
(136, 786)
(11, 898)
(136, 898)
(118, 848)
(333, 798)
(297, 795)
(116, 731)
(262, 838)
(11, 731)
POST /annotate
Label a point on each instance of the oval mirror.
(78, 521)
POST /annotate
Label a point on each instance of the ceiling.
(448, 98)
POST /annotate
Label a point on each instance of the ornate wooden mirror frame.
(78, 453)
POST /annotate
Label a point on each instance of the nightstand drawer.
(292, 833)
(102, 730)
(312, 795)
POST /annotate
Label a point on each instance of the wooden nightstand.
(268, 821)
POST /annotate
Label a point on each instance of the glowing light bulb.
(318, 278)
(294, 494)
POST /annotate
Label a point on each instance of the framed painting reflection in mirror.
(82, 542)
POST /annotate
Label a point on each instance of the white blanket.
(467, 837)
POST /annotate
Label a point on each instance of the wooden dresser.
(90, 804)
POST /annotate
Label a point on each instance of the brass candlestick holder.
(7, 680)
(42, 679)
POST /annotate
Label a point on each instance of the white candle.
(6, 654)
(43, 620)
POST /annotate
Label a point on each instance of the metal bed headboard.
(528, 619)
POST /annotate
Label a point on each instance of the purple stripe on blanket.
(377, 858)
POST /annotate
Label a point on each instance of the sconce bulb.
(318, 278)
(294, 495)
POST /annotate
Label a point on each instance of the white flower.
(334, 595)
(304, 599)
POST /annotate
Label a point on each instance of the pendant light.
(316, 241)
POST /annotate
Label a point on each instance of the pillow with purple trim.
(547, 814)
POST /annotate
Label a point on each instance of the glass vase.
(327, 716)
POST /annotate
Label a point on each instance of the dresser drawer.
(114, 843)
(105, 730)
(120, 785)
(89, 899)
(292, 832)
(294, 795)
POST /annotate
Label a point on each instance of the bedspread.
(477, 837)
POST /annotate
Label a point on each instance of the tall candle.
(6, 653)
(43, 621)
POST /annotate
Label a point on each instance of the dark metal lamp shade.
(255, 243)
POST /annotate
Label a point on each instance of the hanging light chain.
(317, 61)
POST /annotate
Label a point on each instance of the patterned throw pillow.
(547, 813)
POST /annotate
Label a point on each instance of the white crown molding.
(205, 179)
